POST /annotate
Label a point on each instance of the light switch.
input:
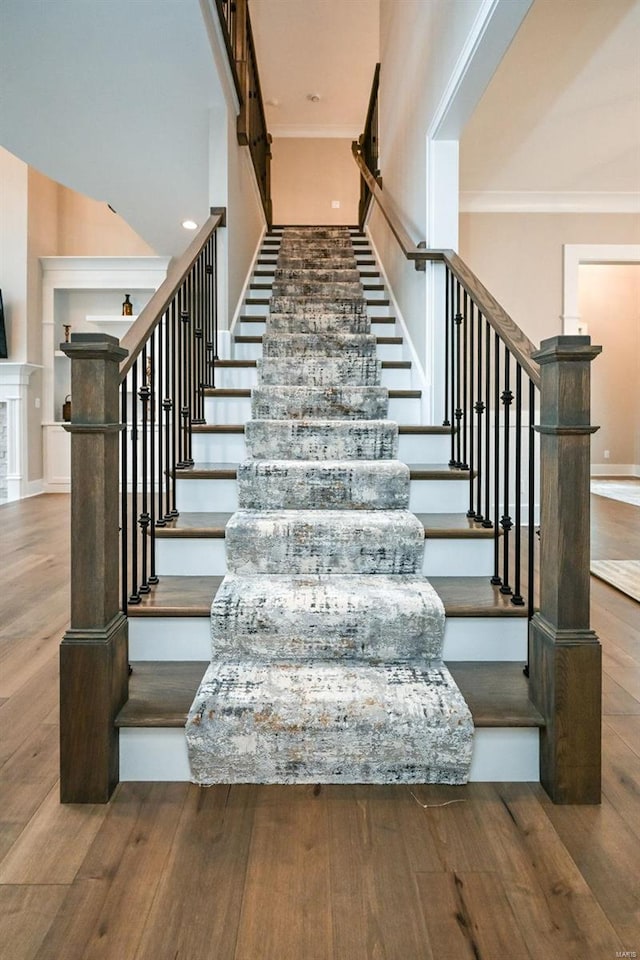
(335, 204)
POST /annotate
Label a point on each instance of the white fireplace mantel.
(14, 385)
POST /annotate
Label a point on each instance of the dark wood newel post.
(565, 654)
(93, 652)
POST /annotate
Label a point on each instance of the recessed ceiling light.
(189, 224)
(313, 97)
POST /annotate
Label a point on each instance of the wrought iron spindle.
(464, 406)
(143, 394)
(457, 371)
(198, 345)
(480, 409)
(173, 405)
(517, 598)
(134, 596)
(472, 339)
(153, 455)
(124, 498)
(505, 521)
(531, 494)
(159, 395)
(447, 314)
(487, 521)
(496, 579)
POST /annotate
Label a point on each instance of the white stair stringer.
(324, 716)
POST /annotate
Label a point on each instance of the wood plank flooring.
(175, 872)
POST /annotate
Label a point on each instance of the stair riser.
(255, 329)
(500, 755)
(425, 496)
(302, 542)
(329, 371)
(318, 440)
(225, 410)
(290, 323)
(253, 351)
(194, 557)
(465, 638)
(325, 486)
(300, 403)
(232, 448)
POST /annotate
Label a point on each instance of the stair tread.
(418, 471)
(234, 364)
(249, 338)
(239, 428)
(192, 596)
(436, 525)
(246, 391)
(180, 596)
(160, 693)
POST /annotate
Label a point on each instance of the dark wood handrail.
(140, 331)
(516, 341)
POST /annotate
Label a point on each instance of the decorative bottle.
(127, 306)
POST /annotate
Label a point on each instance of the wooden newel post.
(94, 651)
(565, 655)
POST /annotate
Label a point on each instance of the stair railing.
(133, 408)
(500, 395)
(369, 147)
(251, 124)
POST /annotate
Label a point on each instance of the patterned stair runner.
(326, 638)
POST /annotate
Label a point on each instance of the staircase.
(484, 641)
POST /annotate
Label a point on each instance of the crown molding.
(538, 201)
(337, 131)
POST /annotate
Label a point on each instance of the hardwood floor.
(174, 872)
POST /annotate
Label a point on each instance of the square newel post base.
(566, 688)
(93, 688)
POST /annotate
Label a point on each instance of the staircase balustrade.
(133, 408)
(500, 395)
(251, 122)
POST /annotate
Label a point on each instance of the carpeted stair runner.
(326, 639)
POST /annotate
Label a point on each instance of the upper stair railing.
(251, 123)
(520, 425)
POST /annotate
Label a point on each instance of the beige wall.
(519, 257)
(307, 174)
(88, 228)
(609, 304)
(13, 252)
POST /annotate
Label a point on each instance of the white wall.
(436, 59)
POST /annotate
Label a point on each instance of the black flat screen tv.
(3, 333)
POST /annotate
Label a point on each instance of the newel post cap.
(94, 346)
(564, 347)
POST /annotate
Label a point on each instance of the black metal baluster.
(487, 522)
(124, 500)
(160, 374)
(532, 496)
(447, 282)
(189, 378)
(144, 518)
(479, 408)
(214, 271)
(505, 521)
(496, 579)
(452, 371)
(173, 405)
(472, 340)
(517, 599)
(458, 371)
(464, 464)
(199, 342)
(134, 596)
(151, 379)
(208, 279)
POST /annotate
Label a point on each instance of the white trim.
(417, 369)
(615, 469)
(337, 131)
(34, 488)
(493, 30)
(573, 255)
(538, 201)
(245, 287)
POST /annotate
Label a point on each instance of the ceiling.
(562, 113)
(327, 48)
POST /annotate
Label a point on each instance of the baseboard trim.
(615, 469)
